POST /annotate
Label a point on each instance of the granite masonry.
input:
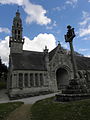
(34, 73)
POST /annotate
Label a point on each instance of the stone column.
(23, 81)
(17, 80)
(28, 80)
(34, 79)
(14, 80)
(73, 60)
(43, 79)
(38, 79)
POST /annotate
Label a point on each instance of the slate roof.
(51, 53)
(83, 63)
(32, 60)
(28, 60)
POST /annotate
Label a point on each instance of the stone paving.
(4, 98)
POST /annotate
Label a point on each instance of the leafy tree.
(3, 71)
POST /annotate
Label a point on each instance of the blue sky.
(45, 22)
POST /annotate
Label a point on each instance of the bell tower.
(16, 41)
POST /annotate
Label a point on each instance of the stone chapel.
(34, 73)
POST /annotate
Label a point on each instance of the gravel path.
(21, 113)
(4, 98)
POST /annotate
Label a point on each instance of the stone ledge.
(26, 95)
(71, 97)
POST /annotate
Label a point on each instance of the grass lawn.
(49, 110)
(7, 108)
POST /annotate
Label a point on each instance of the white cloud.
(4, 50)
(86, 38)
(57, 8)
(84, 28)
(35, 13)
(6, 30)
(72, 2)
(85, 14)
(37, 44)
(51, 26)
(87, 56)
(85, 17)
(63, 44)
(84, 31)
(83, 49)
(88, 0)
(19, 2)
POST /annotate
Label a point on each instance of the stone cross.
(69, 38)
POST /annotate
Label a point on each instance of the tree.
(3, 71)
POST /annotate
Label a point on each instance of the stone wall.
(60, 60)
(28, 83)
(16, 47)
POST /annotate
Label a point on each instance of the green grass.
(7, 108)
(49, 110)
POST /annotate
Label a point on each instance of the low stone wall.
(71, 97)
(24, 93)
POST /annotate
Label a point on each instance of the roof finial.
(45, 46)
(18, 13)
(58, 42)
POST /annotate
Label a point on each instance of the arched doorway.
(62, 78)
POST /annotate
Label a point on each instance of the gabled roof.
(32, 60)
(52, 53)
(83, 63)
(28, 60)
